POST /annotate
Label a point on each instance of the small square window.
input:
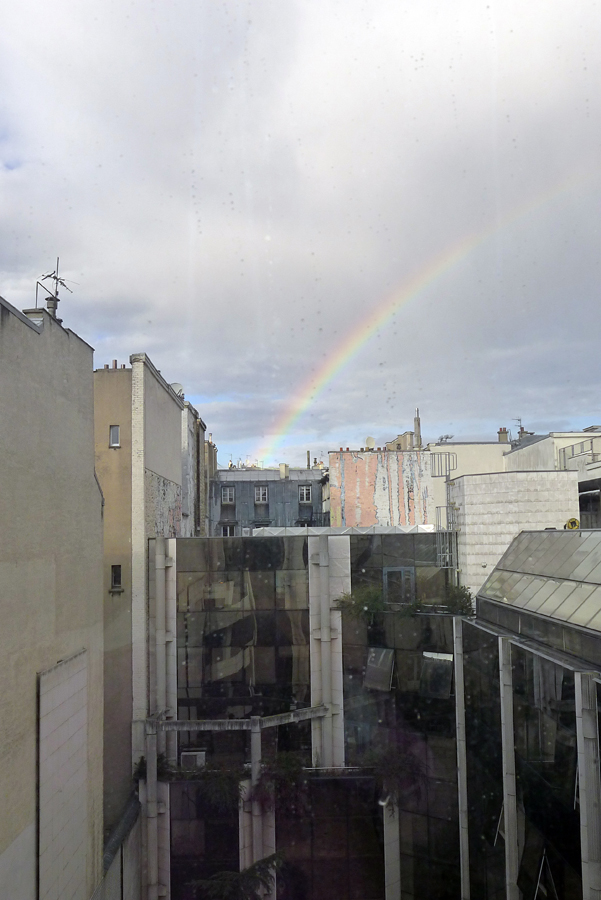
(304, 493)
(116, 578)
(260, 495)
(227, 495)
(114, 436)
(228, 531)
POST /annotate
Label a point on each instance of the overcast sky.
(236, 187)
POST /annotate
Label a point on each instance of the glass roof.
(551, 573)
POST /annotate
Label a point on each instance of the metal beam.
(587, 736)
(509, 782)
(464, 852)
(287, 718)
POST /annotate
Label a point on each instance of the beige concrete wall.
(50, 568)
(112, 406)
(492, 509)
(543, 454)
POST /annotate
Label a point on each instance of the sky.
(316, 215)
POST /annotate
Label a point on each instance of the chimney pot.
(106, 365)
(114, 364)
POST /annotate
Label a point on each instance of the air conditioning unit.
(193, 759)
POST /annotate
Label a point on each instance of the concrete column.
(464, 853)
(152, 838)
(139, 619)
(509, 785)
(160, 687)
(326, 651)
(315, 646)
(587, 736)
(255, 772)
(171, 644)
(392, 852)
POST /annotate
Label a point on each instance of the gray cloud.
(236, 187)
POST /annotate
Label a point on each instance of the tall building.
(150, 461)
(51, 629)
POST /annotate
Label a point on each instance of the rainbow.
(385, 310)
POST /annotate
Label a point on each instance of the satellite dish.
(369, 443)
(178, 388)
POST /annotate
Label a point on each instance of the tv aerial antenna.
(53, 299)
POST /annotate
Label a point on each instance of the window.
(304, 493)
(116, 578)
(114, 437)
(227, 495)
(228, 531)
(260, 495)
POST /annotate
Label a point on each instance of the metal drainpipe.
(151, 812)
(170, 649)
(255, 772)
(161, 688)
(326, 650)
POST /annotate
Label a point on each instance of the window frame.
(227, 492)
(116, 579)
(303, 489)
(230, 529)
(261, 494)
(114, 444)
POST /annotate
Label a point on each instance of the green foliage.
(220, 785)
(283, 782)
(459, 600)
(365, 602)
(250, 884)
(397, 770)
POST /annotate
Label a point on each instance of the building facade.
(243, 499)
(443, 756)
(51, 633)
(150, 461)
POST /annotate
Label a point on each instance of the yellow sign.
(572, 524)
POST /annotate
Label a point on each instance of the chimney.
(503, 436)
(284, 470)
(417, 429)
(309, 459)
(114, 364)
(106, 365)
(210, 437)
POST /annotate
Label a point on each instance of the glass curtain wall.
(484, 763)
(399, 705)
(547, 778)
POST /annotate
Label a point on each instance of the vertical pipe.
(392, 852)
(160, 687)
(587, 737)
(151, 811)
(171, 644)
(464, 853)
(255, 772)
(326, 651)
(509, 784)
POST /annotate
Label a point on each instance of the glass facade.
(244, 649)
(408, 705)
(242, 636)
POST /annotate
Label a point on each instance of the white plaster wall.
(17, 867)
(51, 600)
(63, 777)
(162, 427)
(492, 509)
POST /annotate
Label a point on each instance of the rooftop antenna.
(53, 298)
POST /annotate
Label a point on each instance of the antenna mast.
(53, 299)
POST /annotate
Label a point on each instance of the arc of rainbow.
(367, 328)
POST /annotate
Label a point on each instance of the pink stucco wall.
(381, 488)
